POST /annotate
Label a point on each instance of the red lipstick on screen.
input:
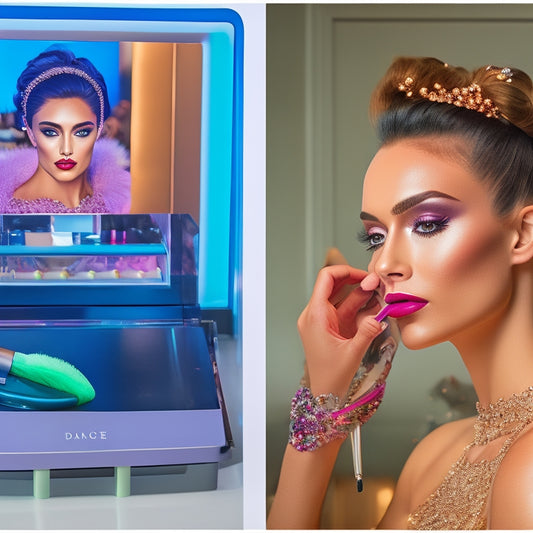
(65, 164)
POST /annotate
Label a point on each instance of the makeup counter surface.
(84, 508)
(116, 296)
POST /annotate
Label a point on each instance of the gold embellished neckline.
(503, 417)
(461, 499)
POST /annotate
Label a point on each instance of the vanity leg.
(122, 481)
(41, 484)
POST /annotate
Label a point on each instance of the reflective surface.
(137, 368)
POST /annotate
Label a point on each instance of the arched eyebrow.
(367, 216)
(58, 126)
(409, 203)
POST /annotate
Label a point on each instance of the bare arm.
(302, 486)
(336, 332)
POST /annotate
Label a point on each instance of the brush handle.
(6, 361)
(357, 457)
(20, 393)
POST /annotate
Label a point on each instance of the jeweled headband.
(469, 97)
(56, 71)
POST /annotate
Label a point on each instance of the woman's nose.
(66, 147)
(392, 261)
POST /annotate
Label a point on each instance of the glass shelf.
(89, 250)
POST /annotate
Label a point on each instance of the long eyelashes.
(49, 132)
(372, 241)
(427, 226)
(424, 226)
(85, 132)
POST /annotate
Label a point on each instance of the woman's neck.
(499, 353)
(42, 185)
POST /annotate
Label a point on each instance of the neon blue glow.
(221, 33)
(216, 171)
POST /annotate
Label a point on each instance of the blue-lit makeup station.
(125, 313)
(142, 303)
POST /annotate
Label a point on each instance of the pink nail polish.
(370, 282)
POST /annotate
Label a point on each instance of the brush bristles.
(53, 372)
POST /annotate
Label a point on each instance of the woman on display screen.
(62, 104)
(447, 210)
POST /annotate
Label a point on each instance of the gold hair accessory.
(469, 97)
(505, 73)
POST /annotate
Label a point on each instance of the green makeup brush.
(49, 371)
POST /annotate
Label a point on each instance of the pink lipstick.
(65, 164)
(399, 305)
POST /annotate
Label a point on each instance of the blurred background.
(322, 63)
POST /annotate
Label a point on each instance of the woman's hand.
(337, 327)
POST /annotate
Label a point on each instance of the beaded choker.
(503, 417)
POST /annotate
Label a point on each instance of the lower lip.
(65, 166)
(401, 309)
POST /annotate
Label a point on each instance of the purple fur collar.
(107, 173)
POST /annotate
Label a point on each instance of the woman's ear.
(523, 248)
(30, 133)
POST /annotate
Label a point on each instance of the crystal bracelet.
(315, 421)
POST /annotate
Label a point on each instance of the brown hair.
(499, 150)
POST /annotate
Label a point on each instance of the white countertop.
(215, 509)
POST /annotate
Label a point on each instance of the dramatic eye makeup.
(84, 129)
(84, 132)
(372, 238)
(428, 225)
(48, 132)
(426, 215)
(51, 129)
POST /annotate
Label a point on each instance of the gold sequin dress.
(461, 500)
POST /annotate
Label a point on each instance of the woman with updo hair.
(447, 211)
(62, 104)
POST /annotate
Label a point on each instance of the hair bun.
(512, 91)
(502, 92)
(42, 70)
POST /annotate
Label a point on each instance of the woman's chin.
(417, 337)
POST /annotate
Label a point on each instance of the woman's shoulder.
(425, 468)
(511, 505)
(445, 433)
(439, 449)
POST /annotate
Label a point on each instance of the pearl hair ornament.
(56, 71)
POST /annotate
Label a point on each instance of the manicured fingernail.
(370, 282)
